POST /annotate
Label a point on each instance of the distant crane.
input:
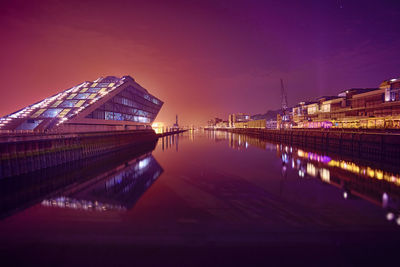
(284, 103)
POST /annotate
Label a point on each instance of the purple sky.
(203, 58)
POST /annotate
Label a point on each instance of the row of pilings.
(384, 147)
(28, 153)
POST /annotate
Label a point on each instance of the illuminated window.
(93, 90)
(80, 103)
(64, 112)
(128, 117)
(29, 125)
(92, 96)
(118, 116)
(37, 113)
(109, 115)
(83, 90)
(56, 104)
(71, 96)
(126, 101)
(68, 103)
(82, 96)
(103, 90)
(51, 113)
(94, 85)
(111, 85)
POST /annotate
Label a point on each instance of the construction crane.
(284, 103)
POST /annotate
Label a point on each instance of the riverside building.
(237, 118)
(106, 104)
(364, 108)
(357, 108)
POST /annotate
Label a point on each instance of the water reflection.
(112, 181)
(117, 191)
(375, 182)
(356, 181)
(172, 141)
(220, 191)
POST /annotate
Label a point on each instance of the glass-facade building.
(109, 103)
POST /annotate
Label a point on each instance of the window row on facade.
(117, 116)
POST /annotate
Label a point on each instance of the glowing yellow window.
(80, 103)
(103, 90)
(111, 85)
(83, 90)
(94, 84)
(92, 96)
(37, 113)
(56, 104)
(71, 96)
(64, 112)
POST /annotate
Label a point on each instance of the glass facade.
(51, 113)
(132, 104)
(69, 103)
(29, 125)
(129, 105)
(82, 96)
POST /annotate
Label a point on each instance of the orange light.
(158, 127)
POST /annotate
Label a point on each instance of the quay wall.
(25, 153)
(364, 145)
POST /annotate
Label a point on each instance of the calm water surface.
(205, 198)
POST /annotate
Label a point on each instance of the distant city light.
(389, 216)
(158, 127)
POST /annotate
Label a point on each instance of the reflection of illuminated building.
(191, 134)
(28, 189)
(170, 141)
(117, 191)
(241, 141)
(217, 136)
(372, 184)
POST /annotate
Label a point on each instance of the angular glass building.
(106, 104)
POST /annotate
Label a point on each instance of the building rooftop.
(355, 91)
